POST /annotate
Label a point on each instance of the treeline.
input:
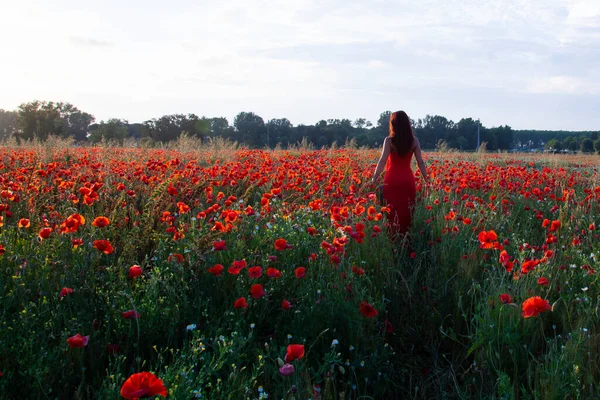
(585, 141)
(40, 119)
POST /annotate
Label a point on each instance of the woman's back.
(398, 169)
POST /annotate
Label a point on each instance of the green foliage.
(8, 124)
(40, 119)
(113, 130)
(597, 145)
(587, 145)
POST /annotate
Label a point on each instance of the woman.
(399, 189)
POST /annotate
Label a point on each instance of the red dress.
(399, 191)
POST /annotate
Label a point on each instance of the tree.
(250, 129)
(170, 127)
(220, 127)
(434, 128)
(554, 144)
(112, 130)
(597, 145)
(74, 123)
(8, 123)
(383, 122)
(587, 145)
(41, 118)
(279, 130)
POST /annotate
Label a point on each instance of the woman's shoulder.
(416, 143)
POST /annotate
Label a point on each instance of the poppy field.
(251, 274)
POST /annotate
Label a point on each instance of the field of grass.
(253, 274)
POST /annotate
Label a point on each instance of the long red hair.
(401, 133)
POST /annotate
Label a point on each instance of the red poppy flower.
(176, 257)
(257, 291)
(504, 257)
(24, 223)
(467, 221)
(285, 305)
(78, 341)
(216, 270)
(240, 303)
(101, 222)
(64, 292)
(294, 352)
(134, 271)
(171, 190)
(534, 306)
(554, 226)
(311, 231)
(45, 233)
(219, 245)
(528, 266)
(487, 239)
(2, 250)
(281, 244)
(143, 384)
(358, 271)
(542, 281)
(300, 272)
(505, 298)
(255, 272)
(130, 314)
(104, 246)
(273, 273)
(368, 310)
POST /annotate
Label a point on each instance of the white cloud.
(563, 84)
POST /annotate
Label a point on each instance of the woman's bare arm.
(420, 161)
(385, 152)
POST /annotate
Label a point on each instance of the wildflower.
(257, 291)
(255, 272)
(78, 341)
(104, 246)
(273, 273)
(534, 306)
(505, 298)
(134, 271)
(286, 370)
(300, 272)
(282, 244)
(101, 222)
(219, 245)
(45, 233)
(240, 303)
(368, 310)
(130, 314)
(487, 239)
(294, 352)
(216, 269)
(143, 384)
(64, 292)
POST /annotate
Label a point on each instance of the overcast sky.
(530, 64)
